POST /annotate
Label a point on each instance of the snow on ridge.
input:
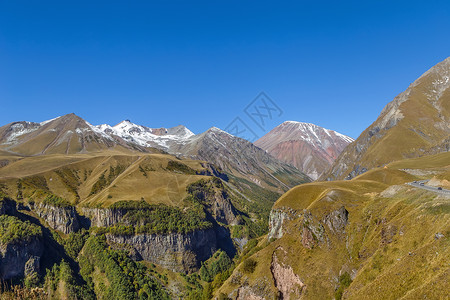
(19, 129)
(218, 130)
(310, 131)
(144, 136)
(48, 121)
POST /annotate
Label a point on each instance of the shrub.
(249, 265)
(344, 282)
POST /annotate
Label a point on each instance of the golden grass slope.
(77, 178)
(396, 244)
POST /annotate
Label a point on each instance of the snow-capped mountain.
(163, 138)
(310, 148)
(67, 134)
(71, 134)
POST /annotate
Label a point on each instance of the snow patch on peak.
(308, 132)
(344, 137)
(48, 121)
(219, 131)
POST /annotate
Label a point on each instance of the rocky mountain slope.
(415, 123)
(241, 158)
(310, 148)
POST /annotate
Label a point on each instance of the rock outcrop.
(103, 217)
(7, 207)
(337, 220)
(285, 280)
(64, 218)
(276, 219)
(175, 251)
(20, 258)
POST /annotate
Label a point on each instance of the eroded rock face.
(19, 259)
(175, 251)
(64, 219)
(337, 220)
(104, 217)
(32, 265)
(285, 280)
(313, 231)
(276, 220)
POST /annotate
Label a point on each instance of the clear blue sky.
(199, 63)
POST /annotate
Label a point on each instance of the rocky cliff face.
(213, 195)
(20, 258)
(175, 251)
(64, 219)
(286, 281)
(103, 217)
(276, 219)
(310, 148)
(7, 207)
(313, 229)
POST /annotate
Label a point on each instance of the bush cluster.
(13, 230)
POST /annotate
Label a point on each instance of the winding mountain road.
(422, 185)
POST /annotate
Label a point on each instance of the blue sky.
(200, 63)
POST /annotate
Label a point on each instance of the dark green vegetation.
(178, 167)
(55, 201)
(141, 217)
(13, 230)
(121, 277)
(61, 281)
(104, 181)
(220, 262)
(344, 282)
(249, 265)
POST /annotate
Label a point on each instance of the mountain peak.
(414, 123)
(309, 147)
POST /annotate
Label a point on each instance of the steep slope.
(241, 158)
(415, 123)
(372, 237)
(310, 148)
(68, 134)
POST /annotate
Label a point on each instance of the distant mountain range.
(70, 134)
(310, 148)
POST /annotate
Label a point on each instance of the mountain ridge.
(415, 123)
